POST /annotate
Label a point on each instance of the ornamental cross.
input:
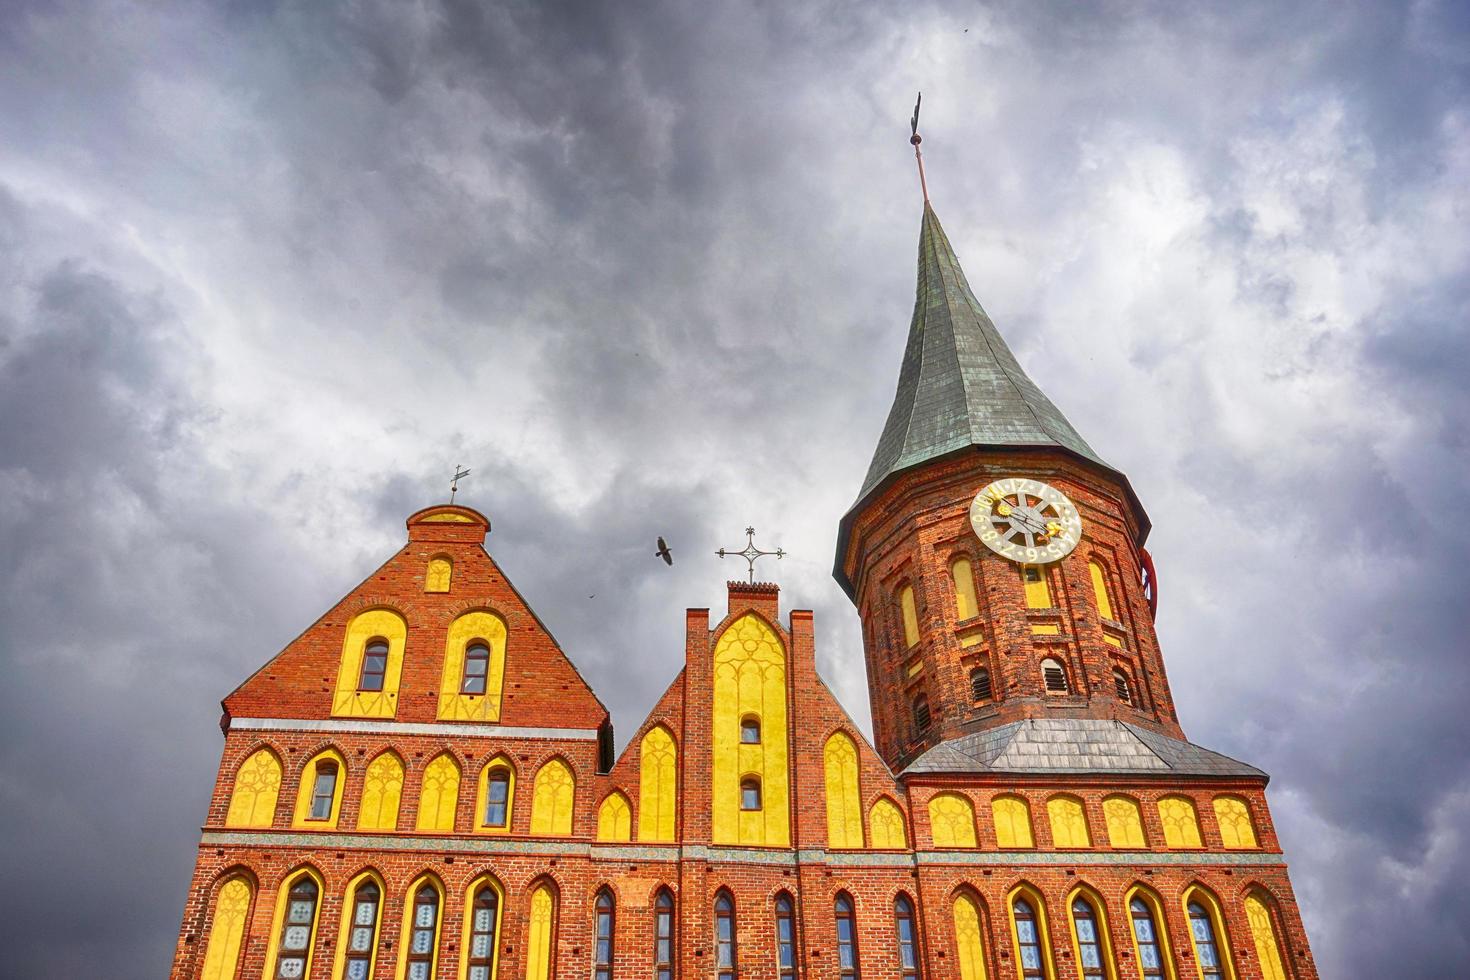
(459, 474)
(750, 553)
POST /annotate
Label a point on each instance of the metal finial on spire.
(916, 139)
(459, 474)
(750, 552)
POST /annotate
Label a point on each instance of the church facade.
(423, 786)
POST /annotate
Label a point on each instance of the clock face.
(1026, 521)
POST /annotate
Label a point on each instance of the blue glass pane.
(480, 946)
(844, 930)
(1149, 955)
(906, 956)
(296, 937)
(291, 969)
(423, 941)
(604, 951)
(723, 929)
(418, 971)
(726, 955)
(783, 929)
(300, 912)
(1207, 955)
(366, 912)
(357, 970)
(844, 956)
(479, 973)
(362, 939)
(423, 916)
(1144, 930)
(1026, 929)
(1085, 932)
(1090, 957)
(1031, 957)
(484, 918)
(1201, 929)
(787, 957)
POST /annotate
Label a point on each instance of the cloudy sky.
(268, 270)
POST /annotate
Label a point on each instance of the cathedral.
(422, 785)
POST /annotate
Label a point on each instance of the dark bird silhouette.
(664, 552)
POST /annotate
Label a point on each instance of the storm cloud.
(269, 270)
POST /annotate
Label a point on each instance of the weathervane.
(459, 474)
(916, 139)
(751, 552)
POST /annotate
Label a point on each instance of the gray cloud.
(267, 270)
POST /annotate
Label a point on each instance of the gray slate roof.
(1076, 745)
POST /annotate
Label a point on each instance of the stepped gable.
(1080, 745)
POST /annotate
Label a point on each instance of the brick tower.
(422, 786)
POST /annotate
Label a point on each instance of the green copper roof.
(960, 388)
(960, 385)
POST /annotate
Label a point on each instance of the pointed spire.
(960, 385)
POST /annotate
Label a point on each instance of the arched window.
(552, 798)
(323, 790)
(1012, 817)
(921, 714)
(1068, 822)
(374, 665)
(361, 930)
(1087, 932)
(908, 944)
(847, 958)
(484, 930)
(602, 950)
(227, 930)
(1234, 817)
(785, 937)
(422, 928)
(910, 616)
(1181, 825)
(663, 936)
(257, 785)
(1263, 934)
(1121, 687)
(1100, 589)
(540, 929)
(614, 818)
(657, 793)
(750, 793)
(844, 802)
(980, 684)
(1038, 591)
(1028, 938)
(1202, 934)
(969, 938)
(963, 577)
(1125, 822)
(1148, 941)
(750, 730)
(497, 797)
(297, 926)
(1053, 677)
(725, 953)
(885, 825)
(476, 668)
(439, 794)
(952, 820)
(382, 792)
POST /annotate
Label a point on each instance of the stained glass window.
(1027, 937)
(423, 933)
(362, 931)
(295, 942)
(476, 668)
(323, 791)
(602, 949)
(1146, 938)
(663, 936)
(374, 665)
(785, 937)
(497, 797)
(1089, 944)
(1202, 932)
(908, 950)
(847, 958)
(484, 926)
(725, 937)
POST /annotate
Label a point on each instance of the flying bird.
(664, 552)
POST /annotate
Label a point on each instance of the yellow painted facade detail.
(1012, 819)
(439, 795)
(227, 931)
(910, 615)
(1100, 590)
(348, 701)
(750, 680)
(1046, 629)
(963, 576)
(344, 932)
(438, 574)
(844, 804)
(382, 792)
(482, 795)
(885, 825)
(1112, 640)
(302, 818)
(657, 785)
(1068, 822)
(1268, 950)
(1125, 822)
(485, 627)
(538, 934)
(552, 798)
(277, 920)
(406, 930)
(952, 820)
(615, 819)
(1038, 591)
(257, 786)
(468, 930)
(969, 941)
(446, 517)
(1181, 824)
(1236, 831)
